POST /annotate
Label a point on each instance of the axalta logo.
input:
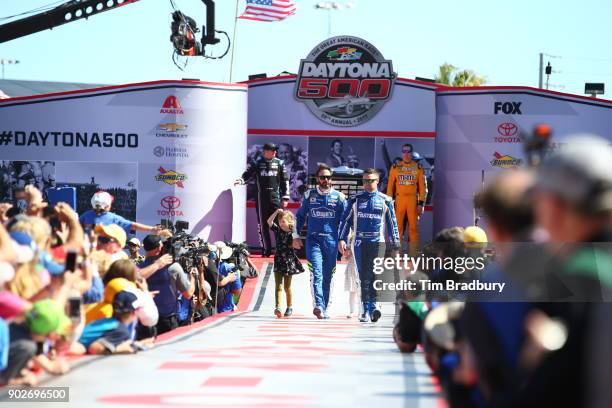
(322, 213)
(171, 177)
(505, 161)
(172, 106)
(170, 205)
(507, 133)
(345, 81)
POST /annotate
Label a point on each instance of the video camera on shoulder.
(185, 248)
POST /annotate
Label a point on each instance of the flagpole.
(234, 41)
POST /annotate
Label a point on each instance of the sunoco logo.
(345, 81)
(505, 161)
(171, 177)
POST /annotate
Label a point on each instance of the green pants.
(281, 280)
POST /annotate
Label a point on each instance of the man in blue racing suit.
(371, 216)
(323, 207)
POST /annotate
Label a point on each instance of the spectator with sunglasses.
(322, 208)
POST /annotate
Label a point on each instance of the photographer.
(169, 281)
(220, 285)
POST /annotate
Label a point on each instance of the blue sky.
(498, 39)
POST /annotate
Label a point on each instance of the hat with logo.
(270, 146)
(112, 231)
(125, 302)
(580, 172)
(135, 241)
(150, 242)
(47, 316)
(102, 199)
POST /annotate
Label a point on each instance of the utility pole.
(4, 62)
(541, 81)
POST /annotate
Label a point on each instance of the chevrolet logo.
(172, 127)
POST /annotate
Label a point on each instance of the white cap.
(102, 199)
(135, 241)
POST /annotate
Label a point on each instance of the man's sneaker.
(325, 315)
(365, 317)
(317, 312)
(288, 312)
(376, 315)
(277, 313)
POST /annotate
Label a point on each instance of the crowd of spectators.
(70, 288)
(546, 340)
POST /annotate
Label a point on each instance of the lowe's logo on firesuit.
(368, 215)
(322, 213)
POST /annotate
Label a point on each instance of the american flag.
(268, 10)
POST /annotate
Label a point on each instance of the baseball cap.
(47, 316)
(270, 146)
(113, 231)
(46, 260)
(580, 172)
(474, 234)
(439, 324)
(151, 242)
(125, 302)
(101, 199)
(135, 241)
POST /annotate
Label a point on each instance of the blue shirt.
(322, 210)
(109, 329)
(167, 298)
(91, 218)
(372, 216)
(227, 303)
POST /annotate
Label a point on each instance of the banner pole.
(234, 41)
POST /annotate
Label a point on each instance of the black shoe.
(317, 312)
(376, 315)
(288, 312)
(277, 313)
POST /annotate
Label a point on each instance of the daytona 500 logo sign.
(345, 81)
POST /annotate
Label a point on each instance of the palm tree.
(448, 75)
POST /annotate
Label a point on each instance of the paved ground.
(252, 359)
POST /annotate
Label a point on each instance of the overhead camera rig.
(183, 27)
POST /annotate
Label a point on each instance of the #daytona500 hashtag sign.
(345, 81)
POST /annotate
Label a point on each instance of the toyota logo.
(170, 203)
(507, 129)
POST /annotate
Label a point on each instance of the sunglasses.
(105, 240)
(406, 151)
(370, 181)
(324, 177)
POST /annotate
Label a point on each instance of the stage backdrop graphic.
(478, 130)
(275, 115)
(177, 140)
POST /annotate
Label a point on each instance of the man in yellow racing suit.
(407, 185)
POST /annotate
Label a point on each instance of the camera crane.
(183, 27)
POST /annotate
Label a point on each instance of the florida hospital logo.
(345, 81)
(171, 177)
